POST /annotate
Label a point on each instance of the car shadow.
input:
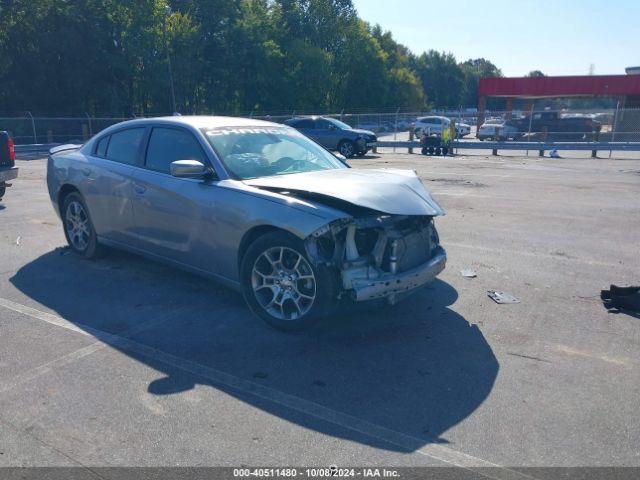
(417, 368)
(368, 156)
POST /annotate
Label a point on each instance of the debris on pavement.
(18, 240)
(468, 273)
(625, 298)
(502, 297)
(554, 154)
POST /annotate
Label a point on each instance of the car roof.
(309, 117)
(201, 121)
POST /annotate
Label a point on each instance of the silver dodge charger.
(253, 204)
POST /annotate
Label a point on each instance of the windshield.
(339, 124)
(252, 152)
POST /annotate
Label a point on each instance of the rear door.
(108, 183)
(169, 211)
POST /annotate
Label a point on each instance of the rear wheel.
(282, 286)
(78, 228)
(347, 148)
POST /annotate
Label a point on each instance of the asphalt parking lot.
(123, 362)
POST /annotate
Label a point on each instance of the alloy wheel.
(283, 283)
(77, 225)
(346, 149)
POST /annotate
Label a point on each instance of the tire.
(3, 189)
(445, 151)
(438, 151)
(78, 227)
(268, 274)
(347, 148)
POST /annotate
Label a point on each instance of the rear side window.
(305, 123)
(123, 146)
(167, 145)
(101, 148)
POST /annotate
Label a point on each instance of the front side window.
(252, 152)
(124, 145)
(167, 145)
(338, 123)
(323, 124)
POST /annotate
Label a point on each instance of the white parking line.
(407, 442)
(78, 328)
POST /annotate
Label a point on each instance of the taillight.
(12, 150)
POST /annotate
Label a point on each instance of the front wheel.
(282, 286)
(78, 228)
(347, 148)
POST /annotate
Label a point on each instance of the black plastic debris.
(502, 297)
(621, 298)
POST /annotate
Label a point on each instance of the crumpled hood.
(392, 191)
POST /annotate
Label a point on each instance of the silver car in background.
(253, 204)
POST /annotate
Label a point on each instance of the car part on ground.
(468, 272)
(621, 298)
(502, 297)
(253, 204)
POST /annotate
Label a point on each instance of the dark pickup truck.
(554, 126)
(8, 169)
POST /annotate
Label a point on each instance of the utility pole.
(167, 12)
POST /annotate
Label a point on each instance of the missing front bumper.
(394, 285)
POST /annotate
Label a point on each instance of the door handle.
(139, 189)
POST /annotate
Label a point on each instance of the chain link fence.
(619, 125)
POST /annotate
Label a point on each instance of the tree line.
(108, 57)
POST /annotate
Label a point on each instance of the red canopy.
(584, 85)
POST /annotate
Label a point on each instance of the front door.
(168, 211)
(326, 134)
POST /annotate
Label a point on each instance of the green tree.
(474, 70)
(442, 78)
(110, 57)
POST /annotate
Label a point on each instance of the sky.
(561, 37)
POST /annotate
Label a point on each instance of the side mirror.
(188, 169)
(340, 157)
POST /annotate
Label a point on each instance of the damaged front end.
(379, 255)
